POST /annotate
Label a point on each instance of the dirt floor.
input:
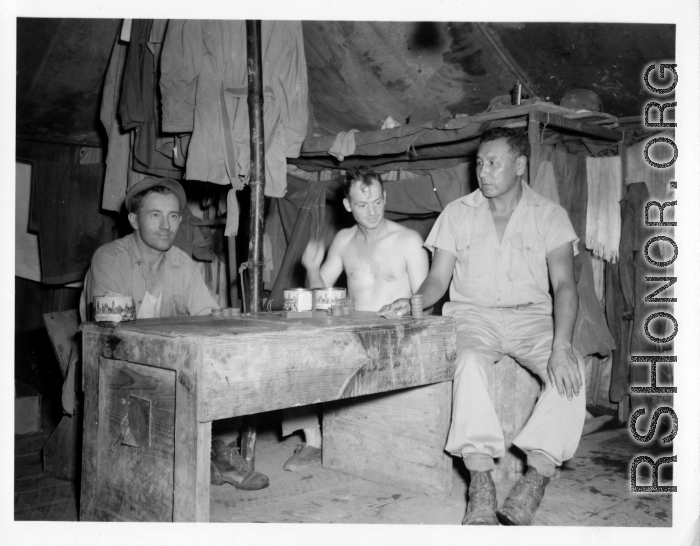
(592, 490)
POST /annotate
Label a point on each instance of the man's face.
(366, 204)
(497, 168)
(158, 220)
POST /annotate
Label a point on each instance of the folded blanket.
(344, 144)
(603, 222)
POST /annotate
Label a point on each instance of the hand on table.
(402, 306)
(563, 371)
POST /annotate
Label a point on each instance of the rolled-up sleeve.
(443, 236)
(560, 231)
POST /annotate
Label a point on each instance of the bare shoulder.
(405, 236)
(343, 237)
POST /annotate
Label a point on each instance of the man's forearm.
(432, 290)
(565, 311)
(314, 279)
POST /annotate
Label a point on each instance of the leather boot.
(482, 503)
(524, 499)
(227, 466)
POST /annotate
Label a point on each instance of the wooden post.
(232, 272)
(533, 133)
(257, 162)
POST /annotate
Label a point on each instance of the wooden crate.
(363, 437)
(513, 391)
(136, 447)
(27, 409)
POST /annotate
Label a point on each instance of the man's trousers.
(484, 336)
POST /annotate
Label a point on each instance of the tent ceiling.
(362, 72)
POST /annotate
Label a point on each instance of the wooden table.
(153, 387)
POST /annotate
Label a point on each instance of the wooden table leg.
(88, 483)
(192, 448)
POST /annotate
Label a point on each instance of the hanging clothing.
(302, 215)
(545, 183)
(118, 148)
(631, 309)
(204, 87)
(604, 177)
(638, 170)
(139, 107)
(71, 225)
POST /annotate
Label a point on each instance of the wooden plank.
(533, 134)
(63, 328)
(62, 450)
(42, 497)
(30, 444)
(191, 478)
(92, 345)
(60, 511)
(561, 122)
(135, 482)
(282, 369)
(36, 483)
(202, 491)
(513, 391)
(395, 438)
(28, 466)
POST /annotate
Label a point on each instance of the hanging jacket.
(204, 89)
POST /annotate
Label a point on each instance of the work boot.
(227, 466)
(524, 499)
(303, 456)
(482, 503)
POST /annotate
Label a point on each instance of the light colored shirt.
(150, 308)
(117, 267)
(513, 272)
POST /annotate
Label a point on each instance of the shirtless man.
(383, 262)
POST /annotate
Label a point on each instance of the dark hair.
(517, 140)
(136, 200)
(363, 175)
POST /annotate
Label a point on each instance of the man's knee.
(469, 361)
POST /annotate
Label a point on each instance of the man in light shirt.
(163, 282)
(501, 247)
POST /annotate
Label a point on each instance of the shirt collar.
(476, 199)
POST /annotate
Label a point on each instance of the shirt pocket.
(529, 255)
(474, 253)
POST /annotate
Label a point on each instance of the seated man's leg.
(552, 433)
(227, 465)
(303, 418)
(475, 433)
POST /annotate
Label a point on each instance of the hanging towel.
(545, 183)
(604, 175)
(343, 145)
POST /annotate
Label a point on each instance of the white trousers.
(484, 336)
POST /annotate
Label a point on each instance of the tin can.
(298, 299)
(114, 308)
(325, 298)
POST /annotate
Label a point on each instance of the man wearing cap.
(163, 282)
(501, 246)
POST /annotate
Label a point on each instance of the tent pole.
(257, 162)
